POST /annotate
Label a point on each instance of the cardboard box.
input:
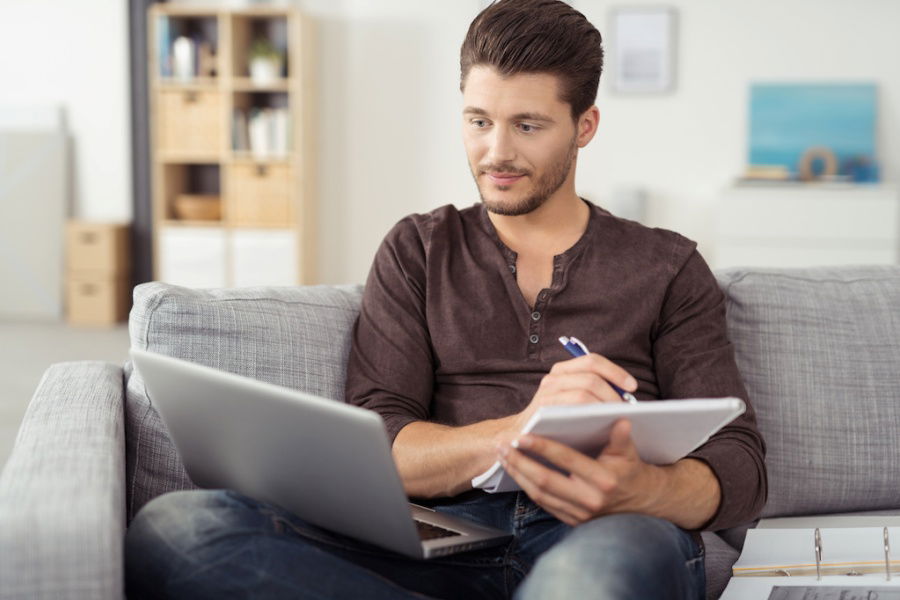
(102, 249)
(97, 300)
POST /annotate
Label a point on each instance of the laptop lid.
(231, 432)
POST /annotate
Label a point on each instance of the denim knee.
(619, 556)
(163, 539)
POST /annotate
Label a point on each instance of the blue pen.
(577, 348)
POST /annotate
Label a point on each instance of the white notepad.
(663, 431)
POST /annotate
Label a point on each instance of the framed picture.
(643, 49)
(789, 120)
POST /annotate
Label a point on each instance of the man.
(455, 347)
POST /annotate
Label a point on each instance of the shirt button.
(535, 316)
(534, 339)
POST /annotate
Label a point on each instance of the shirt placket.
(537, 318)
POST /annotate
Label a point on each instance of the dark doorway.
(142, 227)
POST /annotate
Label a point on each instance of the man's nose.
(502, 149)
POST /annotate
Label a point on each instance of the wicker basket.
(198, 207)
(190, 122)
(260, 196)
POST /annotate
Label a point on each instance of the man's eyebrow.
(532, 116)
(525, 116)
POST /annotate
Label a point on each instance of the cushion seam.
(743, 276)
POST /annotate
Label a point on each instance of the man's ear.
(587, 125)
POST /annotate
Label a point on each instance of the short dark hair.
(537, 36)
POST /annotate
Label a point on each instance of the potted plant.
(265, 62)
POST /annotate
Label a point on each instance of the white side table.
(807, 225)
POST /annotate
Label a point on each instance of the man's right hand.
(579, 380)
(436, 460)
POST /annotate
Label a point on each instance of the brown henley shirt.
(445, 335)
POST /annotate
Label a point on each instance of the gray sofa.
(818, 349)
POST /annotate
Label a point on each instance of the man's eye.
(479, 123)
(527, 127)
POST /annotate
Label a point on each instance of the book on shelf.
(198, 41)
(263, 132)
(240, 141)
(163, 37)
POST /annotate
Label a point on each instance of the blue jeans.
(221, 544)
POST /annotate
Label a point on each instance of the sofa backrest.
(297, 337)
(819, 350)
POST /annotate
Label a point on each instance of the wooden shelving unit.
(264, 233)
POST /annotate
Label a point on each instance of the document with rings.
(842, 551)
(797, 592)
(823, 557)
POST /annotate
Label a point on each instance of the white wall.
(390, 107)
(687, 146)
(389, 130)
(389, 103)
(74, 55)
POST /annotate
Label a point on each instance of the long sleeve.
(694, 359)
(391, 364)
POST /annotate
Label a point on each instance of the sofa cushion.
(819, 350)
(297, 337)
(720, 557)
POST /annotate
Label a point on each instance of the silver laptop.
(327, 462)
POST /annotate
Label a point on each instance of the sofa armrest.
(62, 491)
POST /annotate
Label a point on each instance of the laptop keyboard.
(427, 531)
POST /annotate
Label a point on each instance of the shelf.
(243, 158)
(175, 10)
(173, 158)
(184, 10)
(187, 223)
(261, 11)
(224, 224)
(246, 29)
(265, 231)
(245, 84)
(265, 226)
(196, 84)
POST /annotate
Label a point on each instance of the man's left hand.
(615, 481)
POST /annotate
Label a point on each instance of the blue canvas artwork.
(788, 119)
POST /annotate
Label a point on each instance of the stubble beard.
(544, 187)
